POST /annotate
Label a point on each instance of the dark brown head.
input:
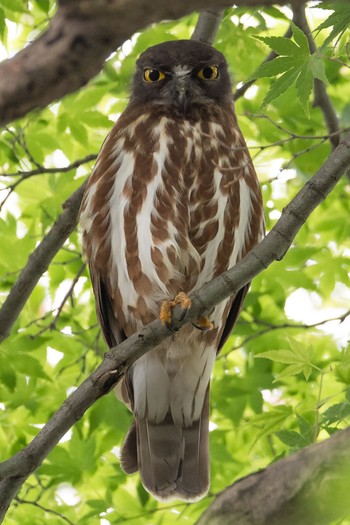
(181, 73)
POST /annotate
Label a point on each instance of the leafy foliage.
(294, 64)
(339, 19)
(282, 380)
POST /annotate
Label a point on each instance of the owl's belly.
(179, 369)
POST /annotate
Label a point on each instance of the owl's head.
(181, 74)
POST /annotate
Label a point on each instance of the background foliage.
(282, 380)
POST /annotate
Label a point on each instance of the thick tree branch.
(38, 262)
(76, 43)
(15, 470)
(306, 488)
(207, 26)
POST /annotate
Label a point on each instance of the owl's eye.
(209, 73)
(152, 75)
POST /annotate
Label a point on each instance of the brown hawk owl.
(172, 202)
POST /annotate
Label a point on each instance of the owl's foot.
(203, 323)
(165, 310)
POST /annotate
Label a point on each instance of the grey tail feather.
(173, 460)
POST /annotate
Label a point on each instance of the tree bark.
(307, 488)
(81, 35)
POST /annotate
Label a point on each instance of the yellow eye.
(209, 73)
(152, 75)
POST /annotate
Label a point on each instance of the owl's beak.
(182, 93)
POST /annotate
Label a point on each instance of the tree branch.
(80, 37)
(207, 26)
(321, 98)
(270, 327)
(306, 488)
(23, 175)
(39, 261)
(15, 470)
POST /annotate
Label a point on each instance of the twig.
(340, 318)
(24, 175)
(44, 509)
(41, 170)
(272, 327)
(67, 296)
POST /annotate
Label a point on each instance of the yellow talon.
(203, 323)
(165, 310)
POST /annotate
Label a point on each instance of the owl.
(172, 202)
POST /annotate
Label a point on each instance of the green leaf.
(307, 371)
(301, 39)
(291, 438)
(280, 44)
(79, 132)
(14, 5)
(339, 20)
(30, 366)
(7, 375)
(318, 69)
(342, 370)
(280, 86)
(2, 23)
(304, 85)
(337, 412)
(291, 370)
(275, 13)
(269, 421)
(277, 66)
(95, 119)
(298, 359)
(44, 5)
(280, 356)
(304, 352)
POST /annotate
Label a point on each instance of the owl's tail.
(173, 460)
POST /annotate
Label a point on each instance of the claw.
(165, 310)
(203, 323)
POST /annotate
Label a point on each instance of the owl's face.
(181, 74)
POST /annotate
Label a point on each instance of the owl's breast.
(162, 210)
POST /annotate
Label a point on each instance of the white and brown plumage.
(172, 202)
